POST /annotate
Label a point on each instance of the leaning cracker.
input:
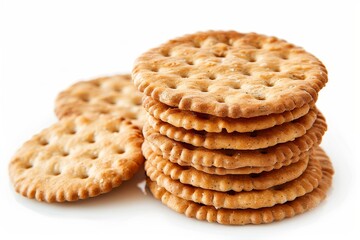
(77, 158)
(230, 74)
(188, 155)
(114, 95)
(250, 216)
(237, 183)
(306, 183)
(205, 122)
(237, 141)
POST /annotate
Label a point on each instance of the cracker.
(185, 154)
(237, 141)
(230, 74)
(279, 194)
(76, 158)
(204, 122)
(237, 183)
(250, 216)
(114, 95)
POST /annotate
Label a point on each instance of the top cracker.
(230, 74)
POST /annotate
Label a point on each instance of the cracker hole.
(84, 176)
(111, 101)
(184, 74)
(96, 83)
(85, 97)
(284, 57)
(64, 153)
(237, 86)
(154, 69)
(28, 165)
(94, 156)
(295, 76)
(190, 62)
(212, 77)
(246, 73)
(220, 100)
(269, 84)
(204, 89)
(261, 98)
(120, 151)
(252, 59)
(253, 134)
(91, 139)
(165, 53)
(71, 131)
(56, 173)
(43, 142)
(275, 69)
(220, 55)
(104, 111)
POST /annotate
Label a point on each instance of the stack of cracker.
(232, 131)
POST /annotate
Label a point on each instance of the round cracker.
(230, 74)
(237, 183)
(76, 158)
(250, 216)
(115, 95)
(237, 141)
(205, 122)
(279, 194)
(272, 157)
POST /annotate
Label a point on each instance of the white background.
(48, 45)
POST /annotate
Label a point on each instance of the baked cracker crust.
(269, 158)
(279, 194)
(251, 216)
(230, 74)
(115, 95)
(237, 183)
(205, 122)
(77, 158)
(237, 141)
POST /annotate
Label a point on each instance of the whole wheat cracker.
(114, 95)
(76, 158)
(205, 122)
(237, 183)
(306, 183)
(237, 141)
(272, 157)
(250, 216)
(230, 74)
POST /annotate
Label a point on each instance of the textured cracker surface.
(251, 216)
(114, 95)
(77, 158)
(205, 122)
(230, 74)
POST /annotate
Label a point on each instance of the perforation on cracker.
(230, 74)
(115, 95)
(77, 158)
